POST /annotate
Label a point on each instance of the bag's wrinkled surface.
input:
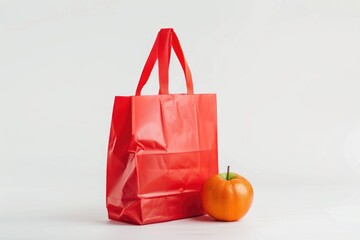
(162, 148)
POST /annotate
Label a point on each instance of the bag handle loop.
(160, 51)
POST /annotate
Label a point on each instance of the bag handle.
(160, 51)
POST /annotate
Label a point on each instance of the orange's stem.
(227, 173)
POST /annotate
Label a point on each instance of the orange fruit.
(227, 196)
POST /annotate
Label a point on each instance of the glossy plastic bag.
(161, 148)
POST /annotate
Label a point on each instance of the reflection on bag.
(162, 148)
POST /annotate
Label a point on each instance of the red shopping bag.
(161, 147)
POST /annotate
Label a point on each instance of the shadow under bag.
(162, 148)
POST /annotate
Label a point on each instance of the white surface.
(287, 78)
(318, 212)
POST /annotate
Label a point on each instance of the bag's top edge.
(176, 94)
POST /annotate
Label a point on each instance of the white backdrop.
(287, 78)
